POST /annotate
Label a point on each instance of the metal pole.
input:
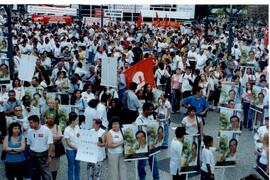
(230, 31)
(101, 22)
(9, 38)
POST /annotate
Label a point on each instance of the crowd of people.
(189, 69)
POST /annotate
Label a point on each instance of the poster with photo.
(189, 158)
(155, 133)
(258, 95)
(229, 119)
(247, 74)
(63, 113)
(228, 92)
(136, 142)
(228, 142)
(4, 72)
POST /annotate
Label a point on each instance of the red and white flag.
(141, 73)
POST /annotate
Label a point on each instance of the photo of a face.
(235, 123)
(155, 136)
(4, 72)
(229, 119)
(189, 156)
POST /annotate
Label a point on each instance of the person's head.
(251, 54)
(177, 71)
(51, 103)
(33, 121)
(161, 66)
(93, 103)
(104, 98)
(233, 146)
(148, 109)
(266, 122)
(96, 123)
(73, 119)
(115, 123)
(141, 137)
(191, 111)
(235, 122)
(232, 94)
(180, 132)
(133, 86)
(35, 82)
(61, 74)
(199, 92)
(208, 141)
(248, 86)
(203, 77)
(11, 95)
(231, 104)
(18, 111)
(77, 94)
(16, 83)
(50, 119)
(4, 69)
(160, 133)
(26, 100)
(14, 129)
(188, 70)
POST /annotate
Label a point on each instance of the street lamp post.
(9, 38)
(231, 13)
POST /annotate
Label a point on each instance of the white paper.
(27, 67)
(87, 149)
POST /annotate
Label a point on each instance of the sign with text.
(87, 149)
(52, 10)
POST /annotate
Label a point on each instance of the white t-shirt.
(185, 83)
(90, 114)
(87, 97)
(141, 120)
(102, 114)
(208, 157)
(117, 137)
(39, 140)
(73, 135)
(159, 73)
(175, 156)
(101, 150)
(192, 128)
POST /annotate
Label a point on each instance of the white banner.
(87, 149)
(51, 10)
(113, 13)
(27, 67)
(109, 72)
(89, 21)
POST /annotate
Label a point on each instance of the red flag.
(266, 36)
(141, 73)
(139, 21)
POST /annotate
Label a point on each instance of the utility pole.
(101, 22)
(231, 15)
(9, 39)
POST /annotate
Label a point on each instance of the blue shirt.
(15, 157)
(200, 104)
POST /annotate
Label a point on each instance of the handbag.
(59, 147)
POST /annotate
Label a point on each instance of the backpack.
(163, 78)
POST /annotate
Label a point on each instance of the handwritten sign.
(87, 149)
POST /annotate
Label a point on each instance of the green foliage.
(224, 122)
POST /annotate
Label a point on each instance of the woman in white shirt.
(176, 153)
(192, 123)
(205, 85)
(61, 83)
(263, 162)
(71, 135)
(117, 165)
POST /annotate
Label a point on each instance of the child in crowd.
(208, 159)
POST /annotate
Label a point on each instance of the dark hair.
(115, 119)
(191, 108)
(198, 89)
(72, 117)
(207, 140)
(13, 82)
(93, 103)
(235, 140)
(60, 72)
(98, 121)
(73, 97)
(133, 86)
(160, 127)
(261, 94)
(180, 132)
(11, 126)
(234, 116)
(140, 131)
(11, 91)
(33, 118)
(104, 98)
(147, 105)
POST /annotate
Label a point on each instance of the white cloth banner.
(109, 72)
(87, 149)
(27, 67)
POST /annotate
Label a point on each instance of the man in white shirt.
(201, 60)
(144, 119)
(186, 81)
(102, 111)
(40, 140)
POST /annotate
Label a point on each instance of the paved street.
(244, 166)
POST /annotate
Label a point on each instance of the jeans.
(246, 110)
(175, 100)
(91, 57)
(205, 176)
(141, 168)
(73, 165)
(121, 93)
(166, 135)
